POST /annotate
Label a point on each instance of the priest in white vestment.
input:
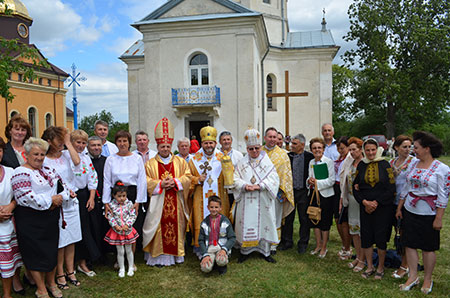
(256, 185)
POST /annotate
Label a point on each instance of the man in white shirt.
(142, 141)
(330, 143)
(101, 130)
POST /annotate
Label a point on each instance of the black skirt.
(418, 232)
(87, 248)
(38, 236)
(376, 227)
(326, 204)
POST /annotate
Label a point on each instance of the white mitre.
(252, 137)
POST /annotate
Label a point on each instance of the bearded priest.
(207, 180)
(256, 185)
(168, 182)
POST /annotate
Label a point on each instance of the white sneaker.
(130, 271)
(122, 273)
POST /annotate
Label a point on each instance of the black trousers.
(301, 205)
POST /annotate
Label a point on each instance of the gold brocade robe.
(195, 202)
(281, 161)
(153, 236)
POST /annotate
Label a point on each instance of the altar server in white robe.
(256, 185)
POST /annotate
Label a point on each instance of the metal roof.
(136, 50)
(198, 18)
(310, 39)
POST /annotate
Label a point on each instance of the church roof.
(15, 7)
(172, 3)
(136, 50)
(310, 39)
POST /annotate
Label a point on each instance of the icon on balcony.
(193, 95)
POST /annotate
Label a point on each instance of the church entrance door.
(195, 126)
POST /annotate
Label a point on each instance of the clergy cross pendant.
(205, 167)
(253, 180)
(210, 181)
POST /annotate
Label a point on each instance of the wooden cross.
(286, 96)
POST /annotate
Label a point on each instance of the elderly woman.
(422, 204)
(9, 250)
(86, 181)
(65, 162)
(348, 174)
(402, 145)
(374, 189)
(17, 132)
(39, 193)
(322, 177)
(128, 168)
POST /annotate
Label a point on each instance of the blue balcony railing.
(204, 96)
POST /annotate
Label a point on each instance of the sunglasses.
(253, 148)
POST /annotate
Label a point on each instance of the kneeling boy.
(216, 238)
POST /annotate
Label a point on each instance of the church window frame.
(266, 2)
(48, 120)
(198, 70)
(32, 114)
(271, 87)
(13, 113)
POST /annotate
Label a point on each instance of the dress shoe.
(21, 292)
(404, 287)
(427, 291)
(284, 247)
(242, 258)
(222, 269)
(301, 250)
(273, 252)
(270, 259)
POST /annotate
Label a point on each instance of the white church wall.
(195, 7)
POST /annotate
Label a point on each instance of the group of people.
(74, 197)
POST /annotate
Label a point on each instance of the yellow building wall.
(44, 98)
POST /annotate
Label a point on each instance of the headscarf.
(378, 156)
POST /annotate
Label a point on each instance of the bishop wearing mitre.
(207, 180)
(168, 183)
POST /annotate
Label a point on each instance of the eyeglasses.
(253, 148)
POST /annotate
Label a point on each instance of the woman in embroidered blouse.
(402, 145)
(37, 214)
(374, 189)
(128, 168)
(422, 204)
(86, 181)
(9, 250)
(348, 175)
(65, 162)
(326, 193)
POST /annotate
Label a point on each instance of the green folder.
(320, 171)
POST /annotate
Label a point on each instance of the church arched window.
(271, 88)
(48, 120)
(32, 119)
(198, 70)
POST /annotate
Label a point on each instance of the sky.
(94, 33)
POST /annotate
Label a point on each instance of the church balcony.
(205, 96)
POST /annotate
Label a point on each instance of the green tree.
(87, 124)
(342, 84)
(10, 50)
(402, 53)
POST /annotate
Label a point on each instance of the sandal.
(55, 291)
(396, 275)
(379, 275)
(41, 295)
(75, 282)
(368, 273)
(359, 268)
(352, 264)
(61, 286)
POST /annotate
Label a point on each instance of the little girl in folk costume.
(122, 234)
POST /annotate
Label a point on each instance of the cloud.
(55, 23)
(121, 44)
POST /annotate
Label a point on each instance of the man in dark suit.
(299, 163)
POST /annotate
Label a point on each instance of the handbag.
(314, 213)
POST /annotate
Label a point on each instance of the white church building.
(212, 62)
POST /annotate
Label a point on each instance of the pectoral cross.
(286, 96)
(205, 167)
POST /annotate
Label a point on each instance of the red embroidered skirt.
(114, 238)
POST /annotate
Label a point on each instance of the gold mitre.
(164, 132)
(208, 133)
(252, 137)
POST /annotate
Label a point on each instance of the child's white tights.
(121, 259)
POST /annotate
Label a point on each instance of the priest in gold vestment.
(207, 180)
(168, 182)
(285, 198)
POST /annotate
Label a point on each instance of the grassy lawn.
(293, 275)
